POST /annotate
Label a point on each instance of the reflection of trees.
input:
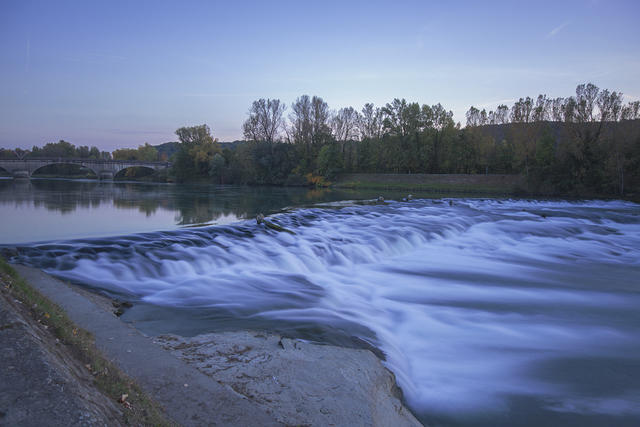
(192, 204)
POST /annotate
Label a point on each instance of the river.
(489, 311)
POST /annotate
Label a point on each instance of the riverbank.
(238, 378)
(434, 183)
(461, 185)
(53, 371)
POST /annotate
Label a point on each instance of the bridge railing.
(92, 161)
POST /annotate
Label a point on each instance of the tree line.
(60, 149)
(587, 143)
(584, 144)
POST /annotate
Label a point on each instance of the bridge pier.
(21, 174)
(105, 176)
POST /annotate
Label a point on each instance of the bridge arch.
(125, 170)
(104, 169)
(80, 167)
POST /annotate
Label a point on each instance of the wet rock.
(298, 382)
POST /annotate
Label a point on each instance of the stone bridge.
(104, 169)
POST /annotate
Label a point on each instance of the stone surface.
(299, 382)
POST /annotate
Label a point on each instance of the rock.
(260, 220)
(298, 382)
(9, 253)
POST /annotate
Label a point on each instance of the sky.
(121, 73)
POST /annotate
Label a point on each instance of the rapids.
(489, 312)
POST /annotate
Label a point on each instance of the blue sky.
(118, 74)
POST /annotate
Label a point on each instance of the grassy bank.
(138, 408)
(434, 183)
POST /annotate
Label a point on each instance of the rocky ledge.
(299, 383)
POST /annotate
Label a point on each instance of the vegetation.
(583, 145)
(195, 154)
(141, 410)
(60, 149)
(587, 144)
(488, 185)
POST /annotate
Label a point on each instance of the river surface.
(489, 312)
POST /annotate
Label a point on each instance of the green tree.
(329, 160)
(216, 167)
(197, 149)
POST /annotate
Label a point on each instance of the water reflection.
(33, 210)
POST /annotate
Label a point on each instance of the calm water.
(489, 312)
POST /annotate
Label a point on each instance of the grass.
(139, 408)
(432, 184)
(434, 188)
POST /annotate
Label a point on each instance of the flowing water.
(489, 312)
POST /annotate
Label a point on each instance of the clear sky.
(121, 73)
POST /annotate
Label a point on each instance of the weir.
(104, 169)
(475, 304)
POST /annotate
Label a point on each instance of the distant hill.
(168, 148)
(230, 145)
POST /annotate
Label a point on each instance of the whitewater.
(484, 309)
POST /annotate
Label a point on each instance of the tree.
(144, 153)
(557, 109)
(473, 117)
(125, 154)
(194, 135)
(542, 109)
(216, 167)
(344, 124)
(320, 114)
(82, 152)
(266, 120)
(402, 118)
(631, 111)
(586, 96)
(521, 110)
(94, 153)
(329, 160)
(442, 123)
(197, 149)
(309, 128)
(61, 149)
(147, 153)
(502, 115)
(371, 122)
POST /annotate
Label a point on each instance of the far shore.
(427, 185)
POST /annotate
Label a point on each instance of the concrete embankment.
(240, 378)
